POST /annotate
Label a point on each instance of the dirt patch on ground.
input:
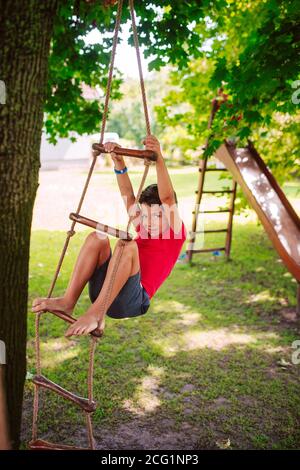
(289, 315)
(145, 432)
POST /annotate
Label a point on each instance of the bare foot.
(56, 303)
(86, 324)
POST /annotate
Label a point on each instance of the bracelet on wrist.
(121, 172)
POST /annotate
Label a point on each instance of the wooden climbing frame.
(203, 169)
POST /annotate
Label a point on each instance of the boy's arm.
(124, 183)
(126, 191)
(165, 186)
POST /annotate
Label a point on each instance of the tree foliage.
(250, 48)
(252, 51)
(73, 62)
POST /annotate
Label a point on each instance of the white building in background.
(66, 153)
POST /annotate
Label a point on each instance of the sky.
(125, 59)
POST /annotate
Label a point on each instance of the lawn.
(185, 182)
(209, 365)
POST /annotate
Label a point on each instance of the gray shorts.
(132, 299)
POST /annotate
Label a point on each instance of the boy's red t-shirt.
(158, 256)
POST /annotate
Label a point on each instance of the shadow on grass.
(210, 361)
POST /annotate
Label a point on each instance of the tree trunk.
(25, 34)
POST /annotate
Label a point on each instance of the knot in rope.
(147, 162)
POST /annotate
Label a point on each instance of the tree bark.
(25, 35)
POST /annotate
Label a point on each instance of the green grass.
(185, 183)
(292, 189)
(206, 355)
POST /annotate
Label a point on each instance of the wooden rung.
(216, 192)
(40, 444)
(206, 250)
(219, 191)
(67, 318)
(214, 169)
(83, 403)
(212, 231)
(115, 232)
(149, 154)
(213, 212)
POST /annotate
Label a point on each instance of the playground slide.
(278, 217)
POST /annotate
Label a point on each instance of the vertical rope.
(35, 412)
(111, 69)
(37, 343)
(89, 426)
(38, 370)
(147, 162)
(111, 276)
(138, 56)
(88, 417)
(93, 343)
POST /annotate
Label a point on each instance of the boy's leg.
(128, 266)
(94, 252)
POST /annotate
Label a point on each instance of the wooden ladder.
(200, 191)
(86, 405)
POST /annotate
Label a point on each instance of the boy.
(145, 263)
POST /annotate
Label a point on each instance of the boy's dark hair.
(150, 195)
